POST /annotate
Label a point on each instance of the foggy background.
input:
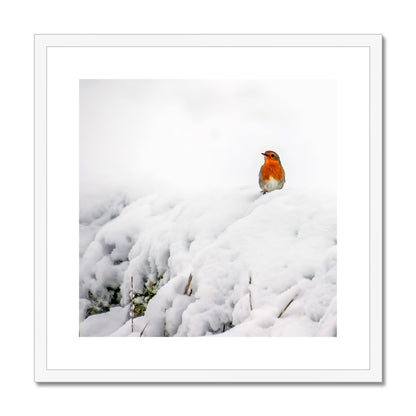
(205, 134)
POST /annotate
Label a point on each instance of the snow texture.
(260, 265)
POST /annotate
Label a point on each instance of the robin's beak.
(264, 154)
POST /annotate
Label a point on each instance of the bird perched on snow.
(272, 175)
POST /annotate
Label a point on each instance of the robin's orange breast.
(273, 170)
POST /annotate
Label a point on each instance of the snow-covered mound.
(233, 263)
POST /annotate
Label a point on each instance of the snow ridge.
(258, 265)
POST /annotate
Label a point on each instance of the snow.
(103, 324)
(261, 265)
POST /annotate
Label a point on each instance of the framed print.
(208, 208)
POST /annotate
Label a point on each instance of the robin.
(272, 175)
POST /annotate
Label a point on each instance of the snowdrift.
(229, 263)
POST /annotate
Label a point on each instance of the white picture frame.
(70, 50)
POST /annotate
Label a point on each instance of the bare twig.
(188, 284)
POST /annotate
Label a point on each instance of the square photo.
(208, 207)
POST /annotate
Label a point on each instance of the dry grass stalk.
(283, 311)
(188, 285)
(131, 303)
(141, 333)
(249, 293)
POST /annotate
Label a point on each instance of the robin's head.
(271, 157)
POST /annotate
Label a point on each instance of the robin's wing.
(283, 179)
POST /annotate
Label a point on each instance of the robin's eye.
(271, 155)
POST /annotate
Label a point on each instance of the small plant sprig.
(140, 300)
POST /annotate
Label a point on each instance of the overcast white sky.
(205, 133)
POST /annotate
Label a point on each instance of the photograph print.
(208, 207)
